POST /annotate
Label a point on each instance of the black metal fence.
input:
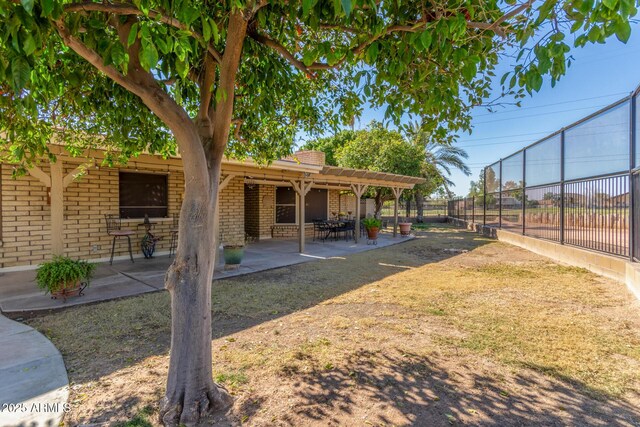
(579, 186)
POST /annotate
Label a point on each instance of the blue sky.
(599, 75)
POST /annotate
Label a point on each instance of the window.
(143, 193)
(316, 205)
(285, 205)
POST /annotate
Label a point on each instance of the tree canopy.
(244, 76)
(308, 65)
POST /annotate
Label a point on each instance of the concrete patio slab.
(34, 380)
(18, 291)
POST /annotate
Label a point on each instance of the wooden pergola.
(336, 178)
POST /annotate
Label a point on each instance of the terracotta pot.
(372, 233)
(70, 289)
(405, 228)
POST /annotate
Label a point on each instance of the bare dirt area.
(450, 328)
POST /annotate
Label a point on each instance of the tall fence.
(579, 186)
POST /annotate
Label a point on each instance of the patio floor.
(19, 293)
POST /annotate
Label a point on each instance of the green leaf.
(469, 70)
(425, 39)
(216, 34)
(309, 57)
(206, 29)
(623, 30)
(610, 4)
(133, 33)
(20, 70)
(346, 5)
(27, 5)
(28, 45)
(306, 7)
(47, 7)
(148, 56)
(372, 52)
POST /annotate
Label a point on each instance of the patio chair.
(174, 234)
(320, 230)
(350, 229)
(115, 230)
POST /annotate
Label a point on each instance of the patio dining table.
(334, 226)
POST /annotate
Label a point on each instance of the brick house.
(52, 211)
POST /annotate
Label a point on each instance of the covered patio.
(19, 294)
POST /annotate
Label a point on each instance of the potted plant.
(64, 277)
(233, 254)
(405, 228)
(372, 225)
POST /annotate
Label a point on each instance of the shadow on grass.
(101, 339)
(417, 390)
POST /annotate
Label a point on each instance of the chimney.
(309, 157)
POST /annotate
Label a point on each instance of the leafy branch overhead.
(307, 65)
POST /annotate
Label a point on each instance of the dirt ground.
(450, 328)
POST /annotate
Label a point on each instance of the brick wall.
(341, 202)
(26, 214)
(25, 220)
(338, 202)
(231, 205)
(91, 197)
(267, 195)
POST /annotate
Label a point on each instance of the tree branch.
(280, 49)
(149, 91)
(129, 9)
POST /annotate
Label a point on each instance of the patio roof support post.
(56, 182)
(397, 191)
(57, 208)
(302, 188)
(358, 190)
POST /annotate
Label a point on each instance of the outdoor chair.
(350, 229)
(320, 230)
(115, 230)
(174, 234)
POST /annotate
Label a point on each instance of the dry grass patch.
(450, 327)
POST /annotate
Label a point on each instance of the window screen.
(143, 193)
(316, 205)
(285, 205)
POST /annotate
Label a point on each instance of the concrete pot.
(233, 255)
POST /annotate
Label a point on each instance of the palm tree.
(440, 160)
(445, 158)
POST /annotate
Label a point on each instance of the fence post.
(562, 187)
(484, 198)
(500, 198)
(473, 209)
(524, 189)
(632, 185)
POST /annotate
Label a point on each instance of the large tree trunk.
(419, 207)
(191, 393)
(407, 200)
(379, 202)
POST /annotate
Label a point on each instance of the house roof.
(391, 178)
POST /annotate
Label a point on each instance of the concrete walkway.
(33, 380)
(19, 294)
